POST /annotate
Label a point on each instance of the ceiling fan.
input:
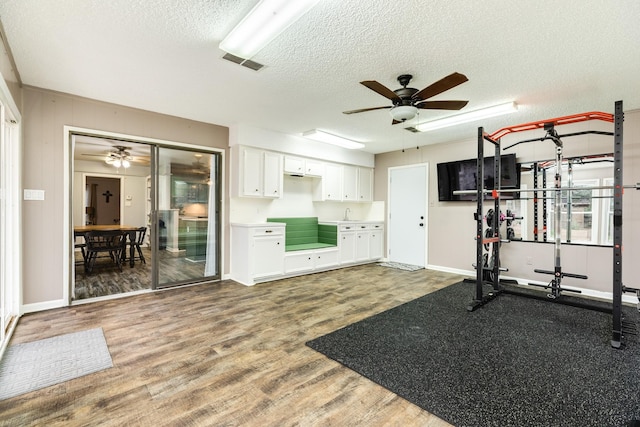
(407, 100)
(119, 156)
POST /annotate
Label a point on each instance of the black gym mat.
(514, 362)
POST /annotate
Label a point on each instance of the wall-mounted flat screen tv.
(461, 175)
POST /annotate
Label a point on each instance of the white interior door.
(408, 214)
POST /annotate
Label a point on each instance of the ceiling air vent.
(244, 62)
(412, 129)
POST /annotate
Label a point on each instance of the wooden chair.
(104, 244)
(137, 244)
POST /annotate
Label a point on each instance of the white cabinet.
(376, 244)
(360, 242)
(308, 261)
(299, 166)
(347, 244)
(330, 186)
(362, 245)
(349, 184)
(272, 176)
(260, 173)
(257, 252)
(268, 256)
(365, 184)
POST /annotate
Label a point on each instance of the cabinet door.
(294, 165)
(326, 258)
(313, 168)
(298, 262)
(349, 184)
(252, 172)
(332, 182)
(347, 245)
(376, 245)
(365, 184)
(268, 256)
(272, 175)
(362, 245)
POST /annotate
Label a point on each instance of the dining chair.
(139, 241)
(104, 244)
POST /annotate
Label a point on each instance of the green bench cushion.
(307, 246)
(304, 231)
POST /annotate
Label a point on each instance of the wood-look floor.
(227, 355)
(107, 279)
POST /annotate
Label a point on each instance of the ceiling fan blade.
(442, 105)
(362, 110)
(449, 82)
(381, 89)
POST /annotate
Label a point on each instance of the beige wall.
(45, 113)
(451, 229)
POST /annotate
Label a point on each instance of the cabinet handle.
(268, 231)
(278, 243)
(347, 228)
(363, 226)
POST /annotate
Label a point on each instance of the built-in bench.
(305, 233)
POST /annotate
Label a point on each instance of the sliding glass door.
(185, 219)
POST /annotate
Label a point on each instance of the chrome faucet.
(346, 214)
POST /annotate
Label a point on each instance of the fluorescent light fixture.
(470, 116)
(265, 21)
(318, 135)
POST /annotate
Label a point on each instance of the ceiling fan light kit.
(483, 113)
(320, 136)
(262, 24)
(403, 113)
(119, 158)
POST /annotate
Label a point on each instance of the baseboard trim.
(42, 306)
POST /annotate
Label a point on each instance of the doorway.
(155, 200)
(102, 200)
(408, 214)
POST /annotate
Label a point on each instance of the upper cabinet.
(303, 167)
(345, 183)
(260, 173)
(349, 184)
(365, 184)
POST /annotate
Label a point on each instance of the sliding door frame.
(67, 250)
(10, 212)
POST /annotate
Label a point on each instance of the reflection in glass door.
(186, 220)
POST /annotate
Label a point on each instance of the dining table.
(79, 230)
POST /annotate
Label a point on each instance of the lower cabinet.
(307, 261)
(258, 251)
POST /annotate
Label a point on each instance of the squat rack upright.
(480, 297)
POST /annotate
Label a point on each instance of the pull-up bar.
(564, 120)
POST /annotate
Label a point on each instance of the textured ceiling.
(552, 57)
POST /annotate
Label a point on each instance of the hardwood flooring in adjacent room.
(227, 355)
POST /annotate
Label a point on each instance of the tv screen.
(461, 175)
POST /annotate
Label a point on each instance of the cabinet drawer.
(347, 227)
(299, 261)
(268, 231)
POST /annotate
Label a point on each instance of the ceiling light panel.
(483, 113)
(265, 22)
(327, 138)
